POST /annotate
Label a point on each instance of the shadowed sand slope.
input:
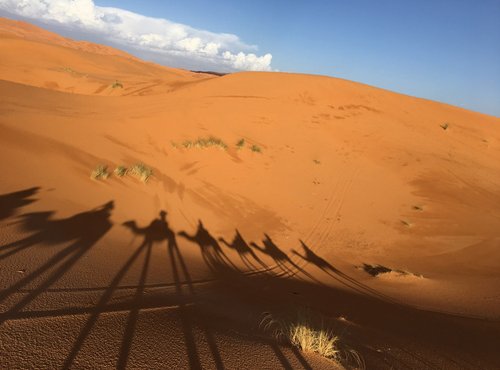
(270, 192)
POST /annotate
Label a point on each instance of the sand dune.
(178, 271)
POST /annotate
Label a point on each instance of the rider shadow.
(311, 257)
(246, 253)
(211, 252)
(10, 202)
(83, 230)
(157, 231)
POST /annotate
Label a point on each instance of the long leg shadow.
(246, 253)
(212, 253)
(311, 257)
(155, 232)
(84, 229)
(288, 267)
(10, 202)
(214, 257)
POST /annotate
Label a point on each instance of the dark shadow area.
(312, 258)
(385, 333)
(247, 255)
(82, 231)
(212, 253)
(376, 270)
(287, 266)
(10, 202)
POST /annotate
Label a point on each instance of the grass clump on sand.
(142, 171)
(240, 144)
(444, 126)
(100, 172)
(256, 148)
(117, 84)
(303, 333)
(120, 171)
(205, 143)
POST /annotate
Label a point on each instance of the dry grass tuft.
(256, 148)
(142, 171)
(304, 334)
(100, 172)
(120, 171)
(205, 143)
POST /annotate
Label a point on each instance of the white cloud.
(159, 39)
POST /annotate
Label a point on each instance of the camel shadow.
(246, 253)
(211, 251)
(10, 202)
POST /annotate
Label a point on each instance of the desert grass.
(305, 332)
(445, 126)
(100, 172)
(240, 144)
(316, 161)
(117, 84)
(120, 171)
(256, 149)
(142, 171)
(211, 141)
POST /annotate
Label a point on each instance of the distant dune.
(270, 192)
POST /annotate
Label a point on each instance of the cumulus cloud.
(156, 38)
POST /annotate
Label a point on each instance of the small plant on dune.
(316, 161)
(240, 144)
(142, 171)
(117, 84)
(204, 143)
(256, 149)
(303, 333)
(100, 172)
(444, 126)
(120, 171)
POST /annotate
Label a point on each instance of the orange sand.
(357, 174)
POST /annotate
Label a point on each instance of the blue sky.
(444, 50)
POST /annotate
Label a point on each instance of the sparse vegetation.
(406, 223)
(255, 148)
(120, 171)
(240, 144)
(304, 333)
(100, 172)
(205, 143)
(142, 171)
(418, 208)
(375, 270)
(316, 161)
(117, 84)
(445, 126)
